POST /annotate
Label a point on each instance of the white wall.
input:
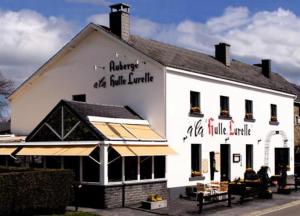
(178, 89)
(75, 74)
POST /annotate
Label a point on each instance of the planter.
(154, 205)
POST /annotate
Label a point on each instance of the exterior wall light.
(226, 139)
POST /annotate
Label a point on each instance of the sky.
(34, 30)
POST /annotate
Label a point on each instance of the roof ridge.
(81, 102)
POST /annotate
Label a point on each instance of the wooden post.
(229, 198)
(200, 199)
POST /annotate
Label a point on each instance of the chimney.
(119, 20)
(222, 53)
(266, 67)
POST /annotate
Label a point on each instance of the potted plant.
(195, 109)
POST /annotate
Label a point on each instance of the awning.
(124, 151)
(113, 130)
(142, 132)
(132, 150)
(152, 150)
(7, 150)
(56, 151)
(126, 131)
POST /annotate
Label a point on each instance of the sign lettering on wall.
(212, 128)
(118, 77)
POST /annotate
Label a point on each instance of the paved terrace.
(182, 207)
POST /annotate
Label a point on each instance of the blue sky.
(34, 30)
(165, 11)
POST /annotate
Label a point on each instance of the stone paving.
(187, 207)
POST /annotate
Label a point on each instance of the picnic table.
(210, 198)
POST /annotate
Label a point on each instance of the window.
(36, 161)
(91, 169)
(224, 106)
(53, 162)
(248, 109)
(196, 160)
(80, 97)
(131, 168)
(195, 102)
(3, 160)
(114, 166)
(273, 113)
(159, 166)
(249, 156)
(146, 167)
(73, 163)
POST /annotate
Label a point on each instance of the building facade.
(206, 118)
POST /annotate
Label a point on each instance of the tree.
(6, 87)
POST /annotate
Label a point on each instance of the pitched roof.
(297, 92)
(197, 62)
(109, 111)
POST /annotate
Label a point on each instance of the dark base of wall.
(176, 192)
(118, 195)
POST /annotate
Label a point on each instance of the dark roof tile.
(85, 109)
(181, 58)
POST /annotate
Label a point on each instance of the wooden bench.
(242, 190)
(212, 198)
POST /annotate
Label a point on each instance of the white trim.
(118, 120)
(137, 182)
(224, 80)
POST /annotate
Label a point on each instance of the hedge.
(35, 192)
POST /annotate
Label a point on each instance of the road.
(289, 209)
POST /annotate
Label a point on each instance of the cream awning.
(135, 150)
(152, 150)
(122, 131)
(113, 131)
(7, 150)
(124, 151)
(56, 151)
(142, 132)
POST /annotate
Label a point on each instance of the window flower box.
(195, 110)
(224, 113)
(249, 116)
(273, 118)
(196, 173)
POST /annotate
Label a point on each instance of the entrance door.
(282, 158)
(249, 156)
(225, 162)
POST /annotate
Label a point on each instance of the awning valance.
(7, 150)
(56, 151)
(135, 150)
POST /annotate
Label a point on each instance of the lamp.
(226, 139)
(258, 141)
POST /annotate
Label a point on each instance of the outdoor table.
(208, 198)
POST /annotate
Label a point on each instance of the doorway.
(282, 158)
(249, 156)
(225, 162)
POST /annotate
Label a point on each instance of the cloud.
(28, 39)
(95, 2)
(265, 34)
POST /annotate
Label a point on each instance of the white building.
(219, 115)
